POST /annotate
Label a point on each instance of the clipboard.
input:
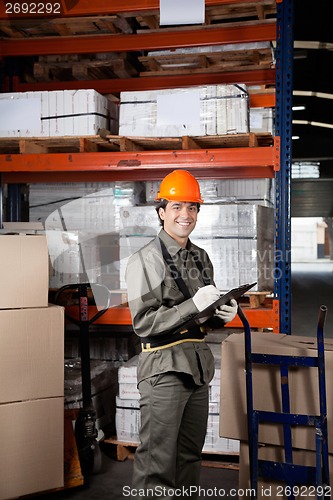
(234, 293)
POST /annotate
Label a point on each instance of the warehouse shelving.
(250, 162)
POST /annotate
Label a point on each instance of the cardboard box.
(127, 373)
(24, 271)
(303, 386)
(128, 421)
(32, 353)
(273, 489)
(32, 447)
(215, 443)
(129, 391)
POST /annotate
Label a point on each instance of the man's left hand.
(227, 312)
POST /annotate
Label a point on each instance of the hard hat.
(180, 185)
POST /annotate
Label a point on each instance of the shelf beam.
(256, 162)
(196, 158)
(255, 77)
(96, 7)
(140, 41)
(259, 318)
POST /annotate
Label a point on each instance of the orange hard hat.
(180, 185)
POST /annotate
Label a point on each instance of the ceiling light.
(313, 124)
(295, 137)
(310, 93)
(298, 108)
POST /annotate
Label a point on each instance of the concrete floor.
(111, 482)
(312, 285)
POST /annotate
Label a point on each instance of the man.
(169, 281)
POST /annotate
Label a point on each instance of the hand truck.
(287, 472)
(85, 425)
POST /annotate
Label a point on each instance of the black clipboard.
(234, 293)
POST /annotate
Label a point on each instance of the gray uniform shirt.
(157, 305)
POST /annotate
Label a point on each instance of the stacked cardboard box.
(128, 408)
(127, 403)
(213, 442)
(56, 113)
(304, 391)
(195, 111)
(31, 370)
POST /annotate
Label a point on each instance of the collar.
(171, 244)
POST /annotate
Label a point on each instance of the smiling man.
(169, 281)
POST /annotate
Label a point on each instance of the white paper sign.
(182, 12)
(181, 109)
(20, 114)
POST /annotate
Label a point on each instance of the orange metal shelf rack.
(87, 7)
(79, 167)
(263, 317)
(257, 162)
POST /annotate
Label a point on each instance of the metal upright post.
(14, 203)
(283, 130)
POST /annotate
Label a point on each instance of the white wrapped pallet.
(57, 113)
(262, 120)
(195, 111)
(24, 114)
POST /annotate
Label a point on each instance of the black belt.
(196, 334)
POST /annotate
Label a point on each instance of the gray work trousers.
(174, 414)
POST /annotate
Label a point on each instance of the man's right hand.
(205, 296)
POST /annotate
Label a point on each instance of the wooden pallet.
(87, 25)
(38, 145)
(87, 67)
(128, 65)
(106, 142)
(257, 299)
(177, 63)
(122, 450)
(186, 142)
(219, 14)
(258, 10)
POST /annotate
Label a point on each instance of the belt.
(196, 334)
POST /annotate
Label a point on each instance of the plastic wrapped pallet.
(195, 111)
(262, 120)
(239, 238)
(103, 390)
(57, 113)
(138, 226)
(229, 47)
(240, 243)
(259, 191)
